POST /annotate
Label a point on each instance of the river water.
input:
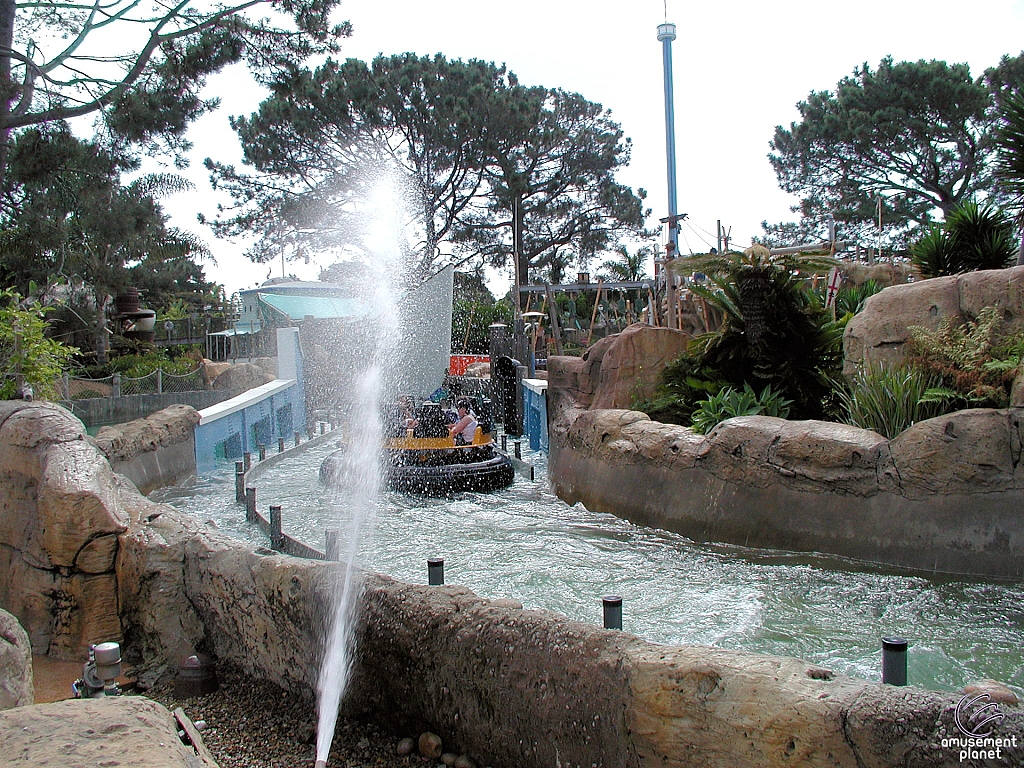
(526, 544)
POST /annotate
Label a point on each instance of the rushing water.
(526, 544)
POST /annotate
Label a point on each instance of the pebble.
(430, 745)
(254, 724)
(463, 761)
(405, 747)
(449, 758)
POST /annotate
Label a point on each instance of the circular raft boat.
(435, 466)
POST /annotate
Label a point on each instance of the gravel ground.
(252, 724)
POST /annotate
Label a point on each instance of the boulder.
(123, 442)
(115, 731)
(878, 333)
(631, 365)
(241, 377)
(16, 688)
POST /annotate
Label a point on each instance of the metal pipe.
(435, 571)
(894, 661)
(612, 611)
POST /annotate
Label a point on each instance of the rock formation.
(16, 689)
(119, 731)
(879, 331)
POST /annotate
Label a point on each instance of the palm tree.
(628, 267)
(1009, 166)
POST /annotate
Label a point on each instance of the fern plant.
(975, 361)
(730, 402)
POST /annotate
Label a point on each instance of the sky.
(739, 67)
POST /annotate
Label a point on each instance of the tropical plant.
(775, 330)
(729, 403)
(889, 399)
(1009, 165)
(684, 383)
(25, 350)
(973, 237)
(975, 362)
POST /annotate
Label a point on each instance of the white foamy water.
(526, 544)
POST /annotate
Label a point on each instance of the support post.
(435, 571)
(250, 504)
(612, 611)
(276, 535)
(239, 481)
(894, 661)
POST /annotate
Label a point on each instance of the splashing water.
(356, 487)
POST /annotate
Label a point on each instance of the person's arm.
(458, 426)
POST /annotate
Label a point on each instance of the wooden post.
(556, 328)
(247, 460)
(280, 445)
(263, 452)
(276, 536)
(593, 315)
(250, 504)
(239, 481)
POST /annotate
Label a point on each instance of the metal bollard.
(518, 445)
(435, 571)
(263, 453)
(247, 460)
(894, 661)
(250, 504)
(612, 612)
(323, 428)
(276, 536)
(239, 481)
(332, 550)
(280, 445)
(504, 443)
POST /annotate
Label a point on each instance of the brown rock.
(16, 688)
(123, 442)
(631, 365)
(996, 692)
(121, 730)
(429, 745)
(241, 377)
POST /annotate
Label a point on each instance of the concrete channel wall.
(514, 688)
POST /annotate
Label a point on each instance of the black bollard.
(504, 443)
(280, 445)
(239, 481)
(323, 428)
(612, 612)
(435, 571)
(263, 453)
(894, 661)
(250, 504)
(518, 449)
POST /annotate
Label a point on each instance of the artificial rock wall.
(513, 687)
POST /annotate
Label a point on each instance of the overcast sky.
(740, 67)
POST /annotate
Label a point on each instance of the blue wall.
(257, 417)
(535, 413)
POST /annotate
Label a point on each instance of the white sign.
(834, 280)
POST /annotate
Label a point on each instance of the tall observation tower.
(666, 34)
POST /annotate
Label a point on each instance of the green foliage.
(890, 399)
(470, 142)
(976, 362)
(851, 298)
(470, 322)
(25, 349)
(56, 63)
(775, 330)
(730, 402)
(684, 383)
(913, 133)
(136, 366)
(974, 237)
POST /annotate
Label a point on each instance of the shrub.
(973, 237)
(729, 403)
(888, 400)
